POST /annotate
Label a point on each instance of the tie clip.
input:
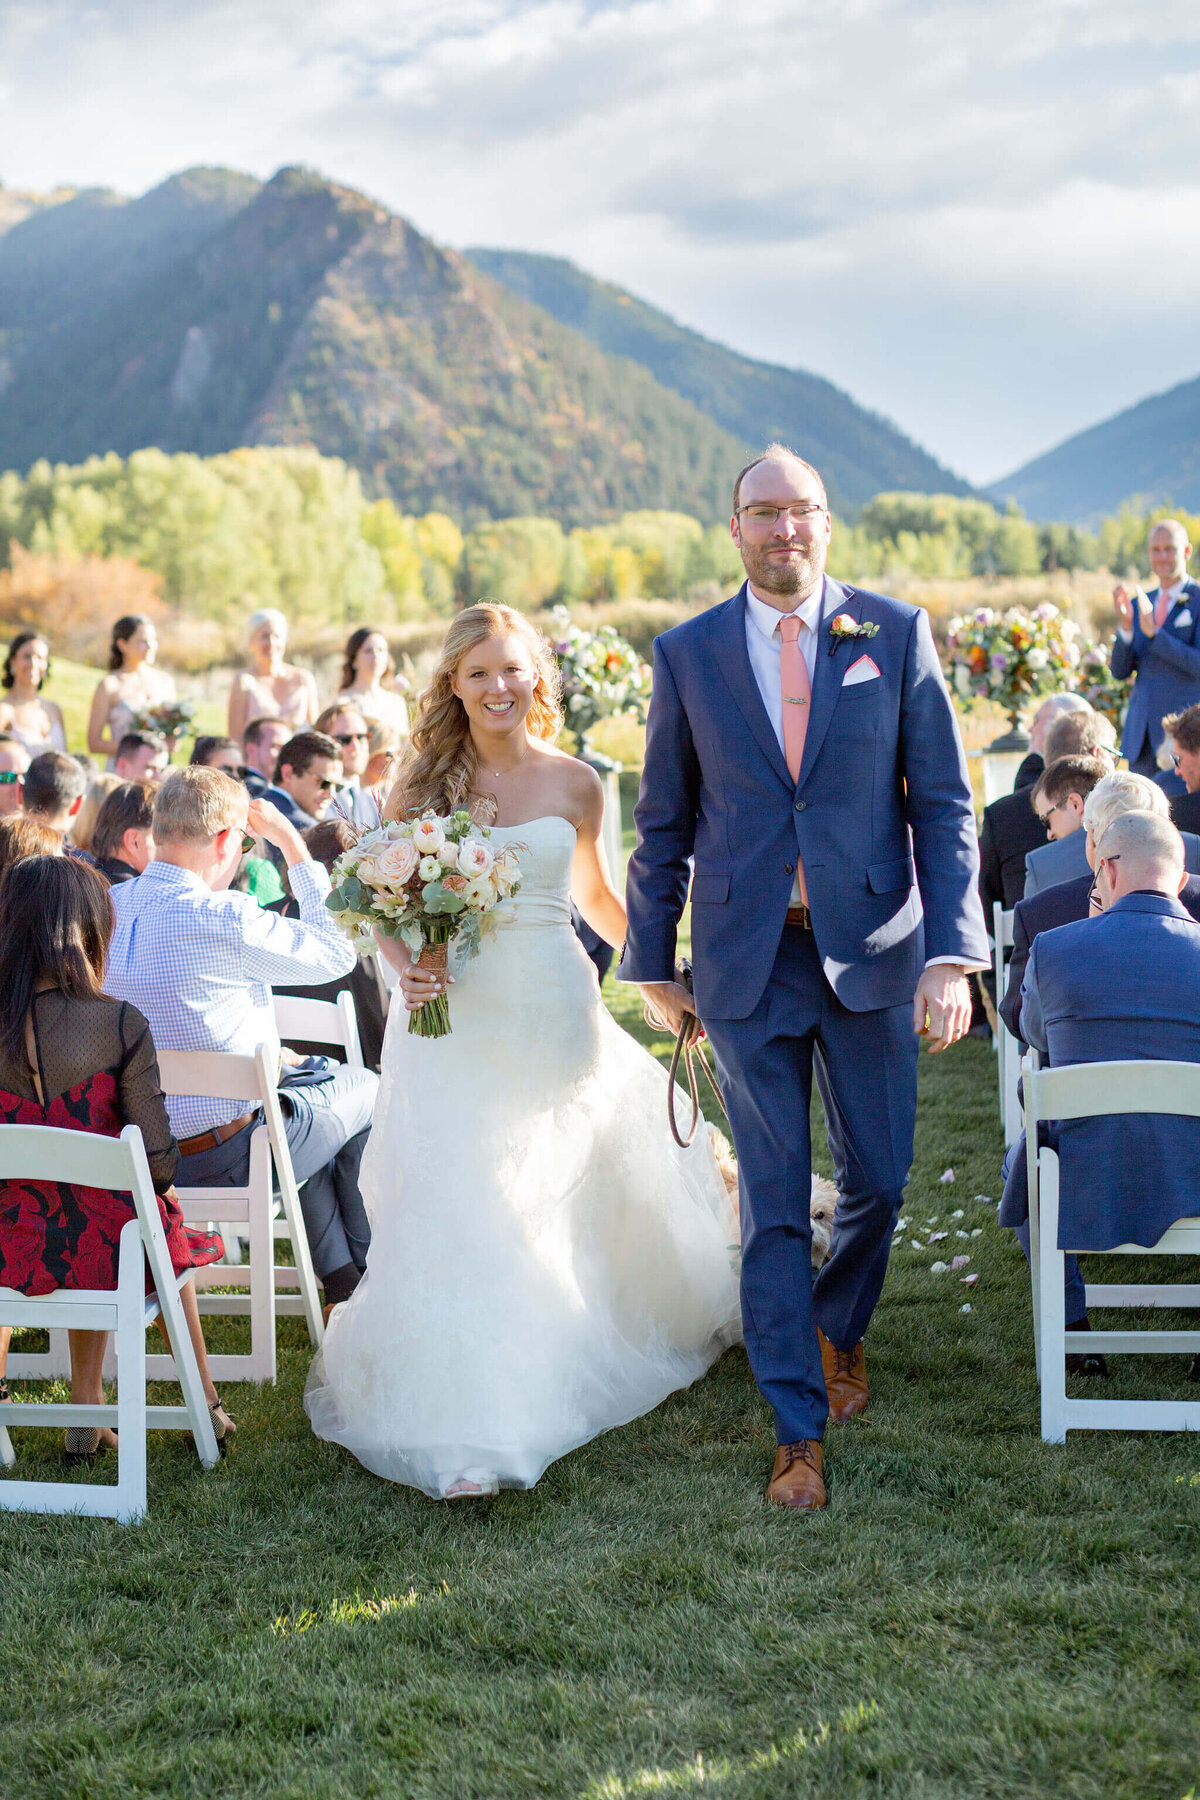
(794, 700)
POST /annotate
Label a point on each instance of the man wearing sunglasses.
(14, 760)
(307, 775)
(352, 735)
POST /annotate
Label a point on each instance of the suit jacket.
(114, 870)
(1167, 666)
(1125, 986)
(881, 814)
(1029, 771)
(1062, 904)
(1065, 859)
(1185, 813)
(291, 810)
(1010, 829)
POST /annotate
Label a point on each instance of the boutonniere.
(843, 626)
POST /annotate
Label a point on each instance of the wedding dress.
(545, 1263)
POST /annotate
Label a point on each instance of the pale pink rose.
(449, 855)
(428, 837)
(475, 858)
(397, 863)
(479, 893)
(455, 884)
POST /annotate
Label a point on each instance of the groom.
(802, 756)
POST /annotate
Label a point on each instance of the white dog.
(821, 1207)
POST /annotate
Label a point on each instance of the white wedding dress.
(545, 1263)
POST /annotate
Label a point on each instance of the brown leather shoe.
(798, 1478)
(845, 1374)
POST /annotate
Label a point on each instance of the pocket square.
(863, 670)
(1183, 620)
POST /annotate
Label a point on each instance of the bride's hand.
(419, 985)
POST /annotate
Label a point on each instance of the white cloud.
(979, 215)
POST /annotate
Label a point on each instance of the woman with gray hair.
(271, 688)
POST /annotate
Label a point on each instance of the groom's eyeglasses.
(770, 515)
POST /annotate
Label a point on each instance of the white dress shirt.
(764, 644)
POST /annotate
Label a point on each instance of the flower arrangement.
(1012, 657)
(602, 674)
(1100, 687)
(171, 719)
(432, 882)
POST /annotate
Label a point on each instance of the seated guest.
(98, 789)
(141, 756)
(21, 837)
(307, 775)
(1183, 735)
(1120, 987)
(1009, 829)
(262, 741)
(72, 1058)
(1057, 799)
(199, 961)
(217, 753)
(351, 733)
(54, 790)
(326, 843)
(14, 760)
(123, 841)
(1067, 901)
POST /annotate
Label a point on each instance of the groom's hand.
(942, 1005)
(668, 1004)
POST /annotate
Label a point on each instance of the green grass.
(977, 1614)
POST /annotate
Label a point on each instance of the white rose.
(449, 855)
(430, 868)
(1037, 658)
(479, 893)
(474, 858)
(428, 836)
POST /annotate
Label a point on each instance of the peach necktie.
(797, 698)
(1162, 607)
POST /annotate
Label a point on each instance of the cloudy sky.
(982, 217)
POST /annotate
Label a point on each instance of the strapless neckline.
(539, 819)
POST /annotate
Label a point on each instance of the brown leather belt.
(799, 915)
(220, 1134)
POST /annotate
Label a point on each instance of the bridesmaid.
(272, 689)
(132, 684)
(368, 661)
(34, 722)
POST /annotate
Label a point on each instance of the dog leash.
(688, 1052)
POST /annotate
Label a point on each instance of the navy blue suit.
(1168, 675)
(882, 816)
(1125, 986)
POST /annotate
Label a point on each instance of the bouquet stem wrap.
(433, 1019)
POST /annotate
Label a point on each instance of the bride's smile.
(495, 682)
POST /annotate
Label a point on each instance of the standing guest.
(73, 1059)
(123, 838)
(98, 789)
(14, 760)
(54, 790)
(804, 773)
(1157, 640)
(262, 741)
(199, 961)
(141, 756)
(1182, 731)
(132, 684)
(367, 666)
(307, 775)
(271, 688)
(217, 753)
(351, 733)
(34, 722)
(1010, 827)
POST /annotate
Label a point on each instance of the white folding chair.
(1088, 1091)
(46, 1153)
(299, 1019)
(1008, 1049)
(386, 978)
(271, 1292)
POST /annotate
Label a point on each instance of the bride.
(545, 1263)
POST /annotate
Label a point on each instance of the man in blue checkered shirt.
(200, 961)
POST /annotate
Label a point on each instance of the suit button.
(800, 805)
(789, 868)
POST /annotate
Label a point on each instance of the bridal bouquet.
(432, 882)
(170, 720)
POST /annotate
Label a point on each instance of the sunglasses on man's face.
(326, 785)
(8, 776)
(346, 738)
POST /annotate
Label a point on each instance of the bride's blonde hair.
(439, 766)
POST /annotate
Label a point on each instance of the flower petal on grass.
(939, 1268)
(946, 1175)
(967, 1308)
(960, 1262)
(971, 1279)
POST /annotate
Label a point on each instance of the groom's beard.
(797, 573)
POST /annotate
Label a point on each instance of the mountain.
(859, 453)
(216, 311)
(1150, 452)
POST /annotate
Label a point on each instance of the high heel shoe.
(223, 1426)
(82, 1444)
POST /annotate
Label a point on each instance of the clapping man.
(1158, 640)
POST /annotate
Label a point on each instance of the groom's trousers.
(866, 1066)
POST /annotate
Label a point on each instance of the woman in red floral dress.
(73, 1058)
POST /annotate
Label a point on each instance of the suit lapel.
(828, 671)
(733, 661)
